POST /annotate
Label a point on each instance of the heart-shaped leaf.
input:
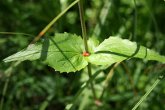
(63, 52)
(115, 49)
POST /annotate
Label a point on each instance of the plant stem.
(17, 33)
(53, 21)
(147, 93)
(108, 78)
(83, 27)
(91, 83)
(134, 20)
(8, 74)
(128, 72)
(83, 86)
(102, 18)
(4, 92)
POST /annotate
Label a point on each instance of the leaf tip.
(6, 60)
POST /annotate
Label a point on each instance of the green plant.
(70, 53)
(64, 52)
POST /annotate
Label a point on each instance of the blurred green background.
(34, 86)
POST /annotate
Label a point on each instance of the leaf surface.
(115, 49)
(63, 52)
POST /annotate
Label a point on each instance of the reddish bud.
(85, 54)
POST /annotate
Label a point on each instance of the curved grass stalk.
(46, 102)
(108, 78)
(84, 85)
(8, 74)
(53, 21)
(147, 93)
(16, 33)
(134, 20)
(102, 18)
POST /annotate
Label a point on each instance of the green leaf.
(115, 49)
(63, 52)
(92, 44)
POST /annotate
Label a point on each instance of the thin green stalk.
(84, 85)
(134, 20)
(46, 102)
(4, 92)
(16, 33)
(129, 77)
(152, 16)
(8, 74)
(108, 78)
(53, 21)
(147, 93)
(102, 18)
(83, 27)
(91, 84)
